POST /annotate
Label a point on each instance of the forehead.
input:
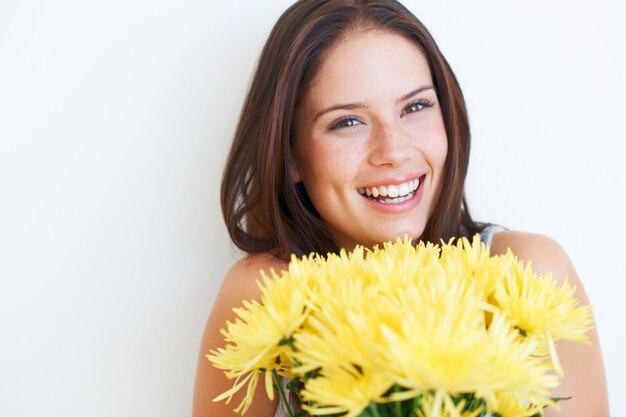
(371, 65)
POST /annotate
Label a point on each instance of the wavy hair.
(263, 209)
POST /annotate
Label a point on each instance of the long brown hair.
(263, 209)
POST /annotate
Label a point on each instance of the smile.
(392, 193)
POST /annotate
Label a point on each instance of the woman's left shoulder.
(544, 253)
(584, 372)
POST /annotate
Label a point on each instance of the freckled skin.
(384, 138)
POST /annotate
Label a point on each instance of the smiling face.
(370, 143)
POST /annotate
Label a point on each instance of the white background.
(115, 119)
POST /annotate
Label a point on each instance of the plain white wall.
(115, 119)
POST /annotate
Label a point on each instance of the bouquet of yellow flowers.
(405, 330)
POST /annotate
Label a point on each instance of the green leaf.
(294, 384)
(289, 342)
(365, 413)
(415, 403)
(311, 374)
(557, 399)
(383, 410)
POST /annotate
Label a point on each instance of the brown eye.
(417, 106)
(347, 121)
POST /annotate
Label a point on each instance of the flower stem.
(374, 409)
(396, 388)
(415, 404)
(281, 392)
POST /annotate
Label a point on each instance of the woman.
(355, 131)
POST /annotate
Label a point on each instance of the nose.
(390, 146)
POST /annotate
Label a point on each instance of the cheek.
(441, 150)
(437, 145)
(328, 161)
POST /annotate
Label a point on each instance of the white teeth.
(392, 191)
(397, 199)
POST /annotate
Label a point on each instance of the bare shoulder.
(544, 253)
(239, 284)
(522, 242)
(584, 371)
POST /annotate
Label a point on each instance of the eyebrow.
(359, 105)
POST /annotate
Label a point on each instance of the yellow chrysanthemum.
(257, 337)
(442, 341)
(463, 259)
(396, 265)
(542, 309)
(514, 369)
(509, 405)
(437, 404)
(442, 324)
(342, 333)
(471, 262)
(345, 325)
(345, 391)
(436, 322)
(446, 346)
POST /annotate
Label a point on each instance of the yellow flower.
(509, 405)
(344, 391)
(400, 311)
(339, 335)
(542, 309)
(441, 325)
(444, 345)
(438, 405)
(257, 337)
(346, 319)
(514, 369)
(471, 262)
(399, 264)
(438, 321)
(463, 259)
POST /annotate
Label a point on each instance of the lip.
(405, 206)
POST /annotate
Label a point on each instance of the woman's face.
(370, 143)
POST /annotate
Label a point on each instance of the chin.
(413, 233)
(392, 237)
